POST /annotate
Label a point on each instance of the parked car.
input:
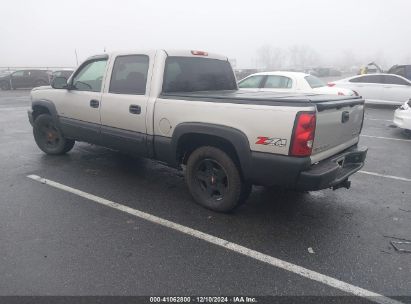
(183, 108)
(25, 79)
(402, 116)
(290, 82)
(402, 70)
(61, 73)
(5, 72)
(378, 88)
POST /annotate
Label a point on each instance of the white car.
(402, 116)
(378, 88)
(290, 82)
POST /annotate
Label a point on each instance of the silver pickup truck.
(183, 108)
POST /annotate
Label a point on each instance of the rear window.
(314, 82)
(367, 79)
(278, 82)
(389, 79)
(188, 74)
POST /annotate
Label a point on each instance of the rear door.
(369, 87)
(277, 83)
(19, 79)
(396, 89)
(124, 102)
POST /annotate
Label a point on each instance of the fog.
(47, 32)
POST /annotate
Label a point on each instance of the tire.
(5, 86)
(49, 137)
(214, 180)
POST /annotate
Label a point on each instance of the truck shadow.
(270, 216)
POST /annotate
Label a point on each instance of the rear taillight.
(331, 84)
(303, 134)
(362, 122)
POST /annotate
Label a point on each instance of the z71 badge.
(271, 141)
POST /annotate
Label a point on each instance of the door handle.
(94, 103)
(345, 116)
(134, 109)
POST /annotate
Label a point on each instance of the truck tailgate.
(338, 126)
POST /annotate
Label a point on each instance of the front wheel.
(5, 85)
(49, 137)
(214, 180)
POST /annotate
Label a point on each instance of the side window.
(368, 79)
(278, 82)
(129, 75)
(388, 79)
(251, 82)
(90, 77)
(18, 74)
(36, 73)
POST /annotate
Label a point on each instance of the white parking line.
(390, 138)
(378, 119)
(386, 176)
(304, 272)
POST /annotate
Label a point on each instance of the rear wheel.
(214, 180)
(49, 137)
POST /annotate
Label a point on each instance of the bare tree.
(270, 58)
(302, 56)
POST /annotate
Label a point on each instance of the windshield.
(314, 82)
(190, 74)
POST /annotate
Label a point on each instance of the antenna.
(75, 52)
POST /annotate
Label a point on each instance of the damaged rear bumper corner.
(333, 172)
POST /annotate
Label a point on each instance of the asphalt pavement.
(57, 243)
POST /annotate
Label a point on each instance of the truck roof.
(169, 52)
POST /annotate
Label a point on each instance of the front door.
(396, 90)
(79, 106)
(20, 79)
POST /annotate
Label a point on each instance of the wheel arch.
(189, 136)
(44, 106)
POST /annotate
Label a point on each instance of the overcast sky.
(46, 32)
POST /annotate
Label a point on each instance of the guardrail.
(15, 68)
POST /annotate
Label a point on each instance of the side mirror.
(59, 83)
